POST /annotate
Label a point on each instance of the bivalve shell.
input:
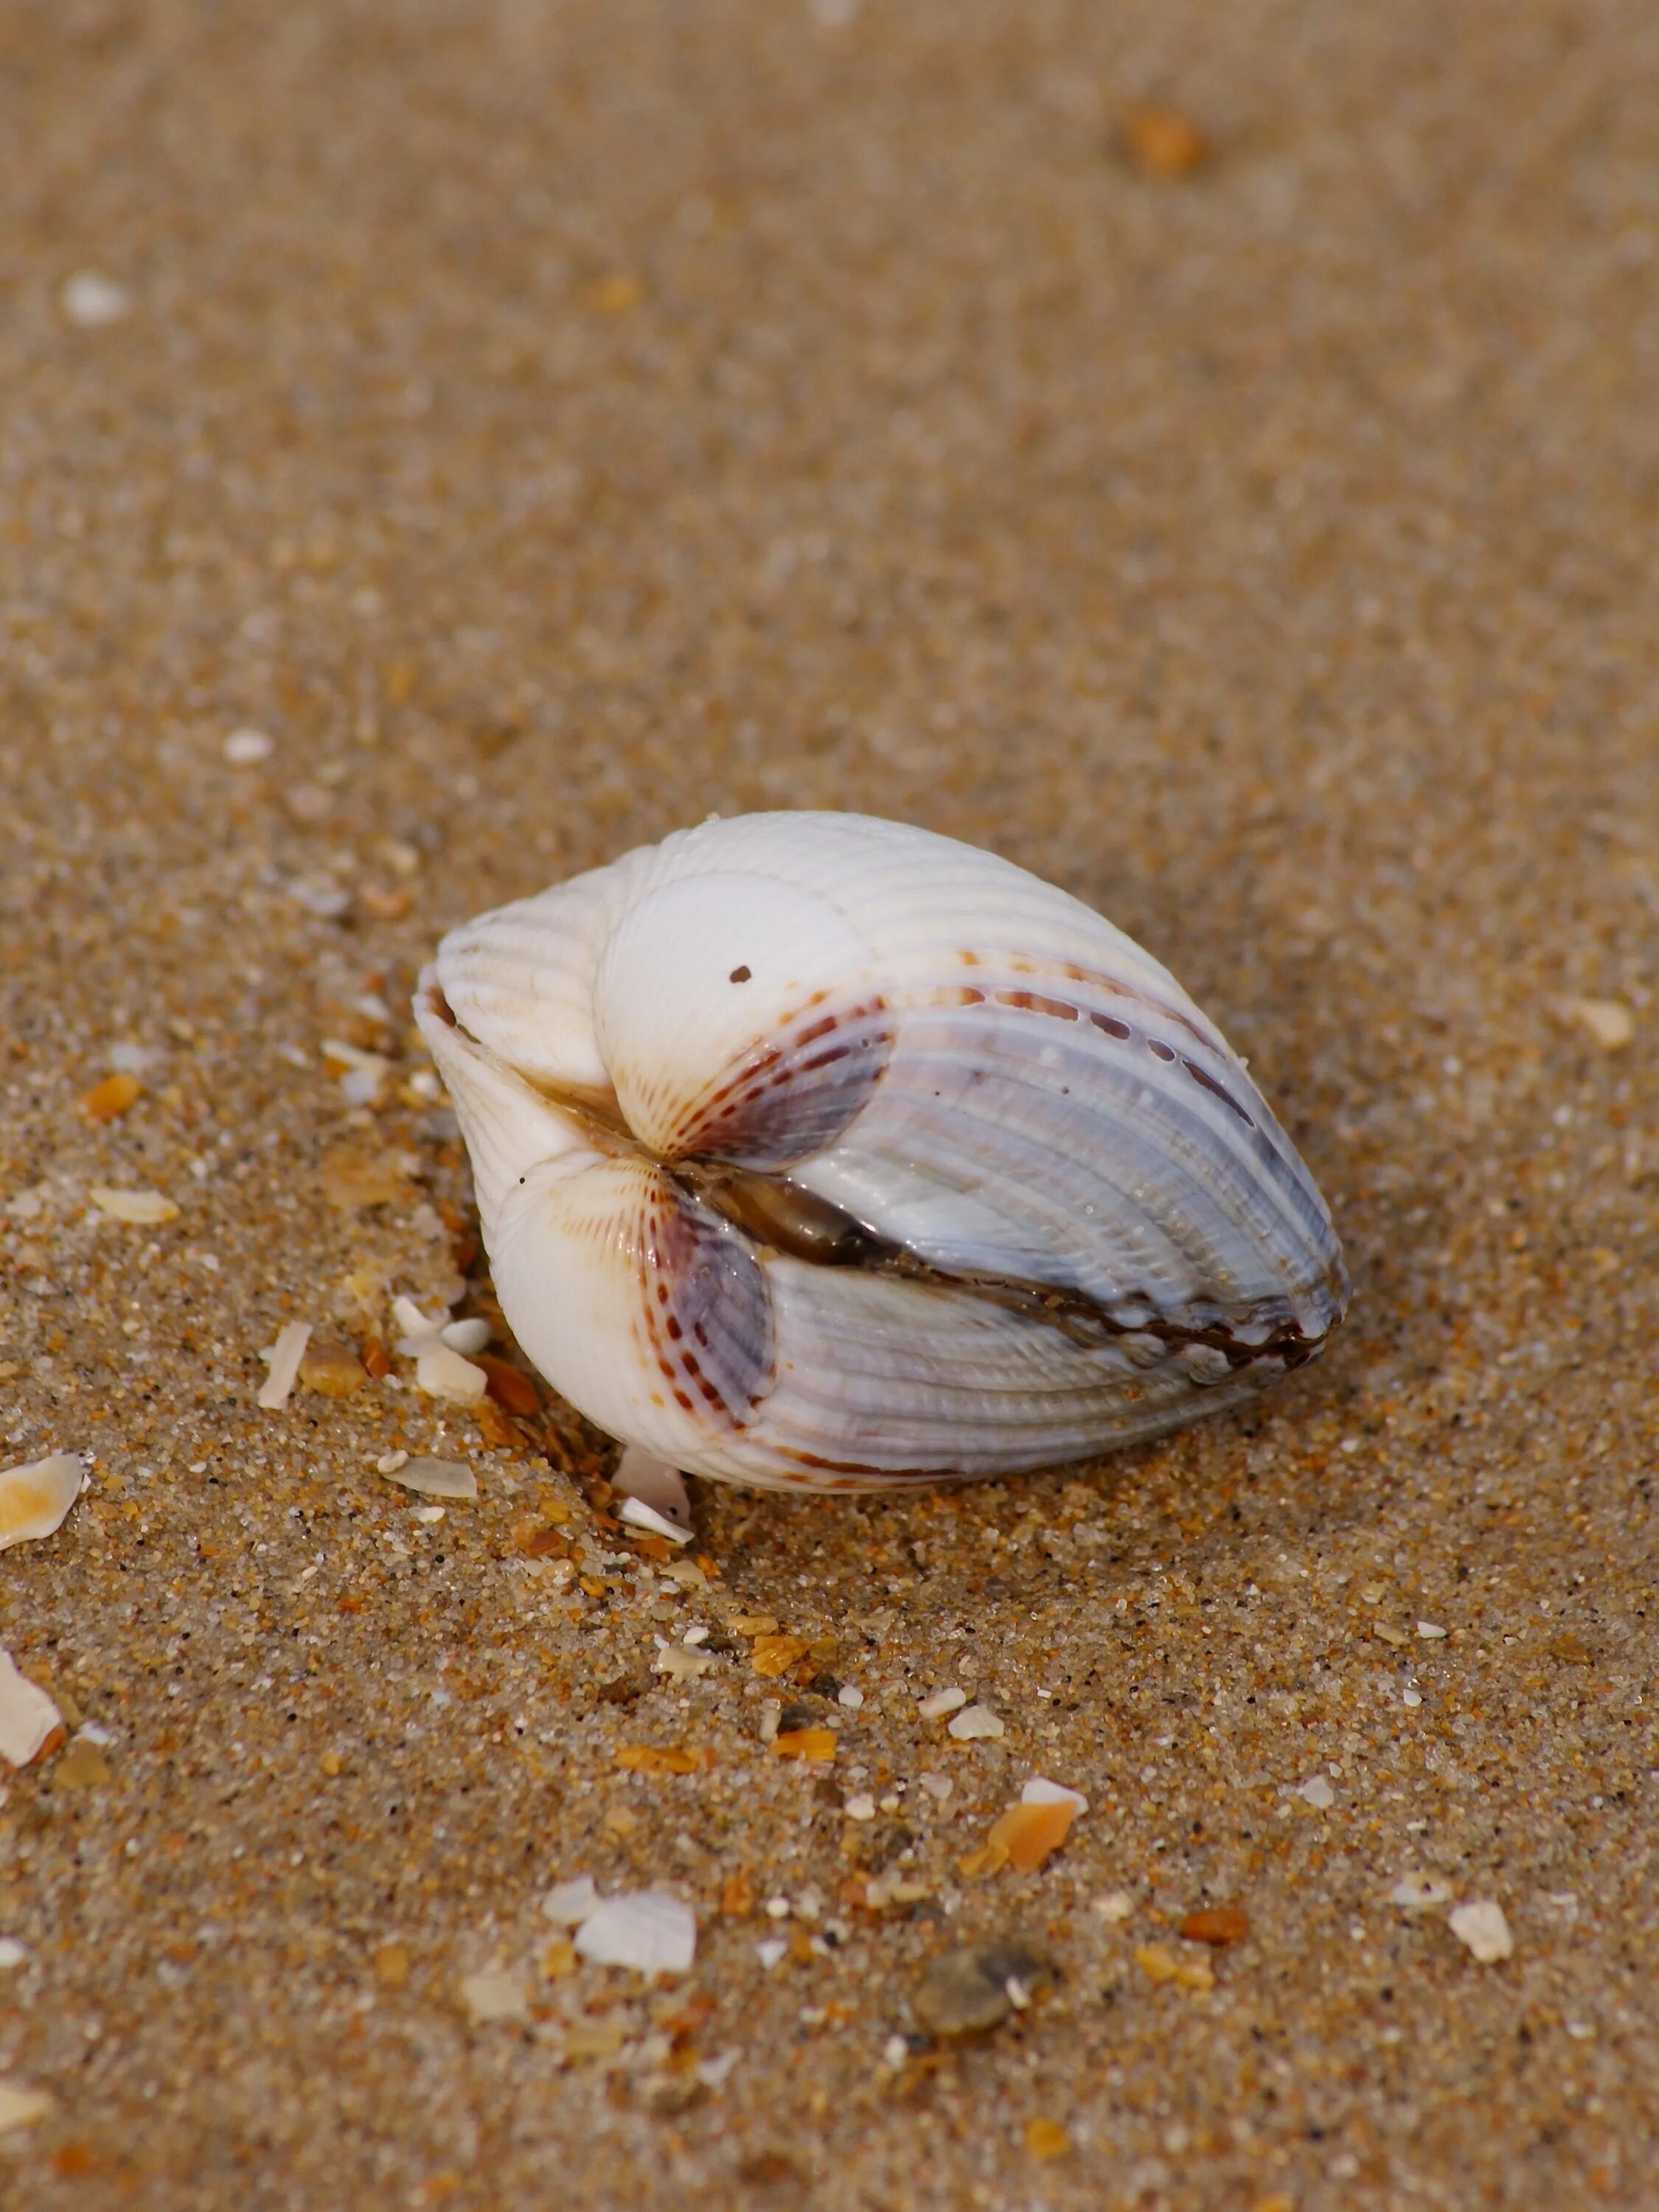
(812, 1150)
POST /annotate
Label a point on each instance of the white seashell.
(28, 1717)
(34, 1499)
(812, 1150)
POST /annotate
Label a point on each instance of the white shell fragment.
(495, 1995)
(35, 1498)
(141, 1209)
(1420, 1893)
(435, 1478)
(1482, 1930)
(1039, 1790)
(283, 1359)
(816, 1151)
(1607, 1023)
(935, 1705)
(645, 1929)
(21, 2107)
(437, 1349)
(653, 1496)
(975, 1725)
(29, 1718)
(567, 1904)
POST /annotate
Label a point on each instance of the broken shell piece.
(654, 1495)
(108, 1100)
(29, 1718)
(975, 1725)
(1420, 1893)
(142, 1209)
(21, 2107)
(359, 1074)
(494, 1996)
(33, 1499)
(645, 1929)
(937, 1703)
(1608, 1022)
(567, 1904)
(436, 1347)
(1482, 1929)
(1217, 1925)
(283, 1359)
(1025, 1834)
(435, 1478)
(441, 1373)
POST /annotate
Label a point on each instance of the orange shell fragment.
(806, 1743)
(1022, 1837)
(108, 1100)
(660, 1758)
(776, 1655)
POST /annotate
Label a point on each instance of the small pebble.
(12, 1954)
(1116, 1905)
(1318, 1791)
(1162, 1962)
(861, 1808)
(332, 1369)
(1429, 1631)
(971, 1990)
(1046, 2139)
(1215, 1924)
(391, 1963)
(82, 1766)
(1164, 143)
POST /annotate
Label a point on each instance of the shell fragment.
(35, 1498)
(29, 1718)
(283, 1359)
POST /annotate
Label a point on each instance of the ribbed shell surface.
(1007, 1093)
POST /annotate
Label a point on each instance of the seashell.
(817, 1150)
(35, 1500)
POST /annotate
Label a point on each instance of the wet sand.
(544, 427)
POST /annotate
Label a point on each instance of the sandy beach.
(1209, 455)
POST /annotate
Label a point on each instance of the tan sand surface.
(545, 424)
